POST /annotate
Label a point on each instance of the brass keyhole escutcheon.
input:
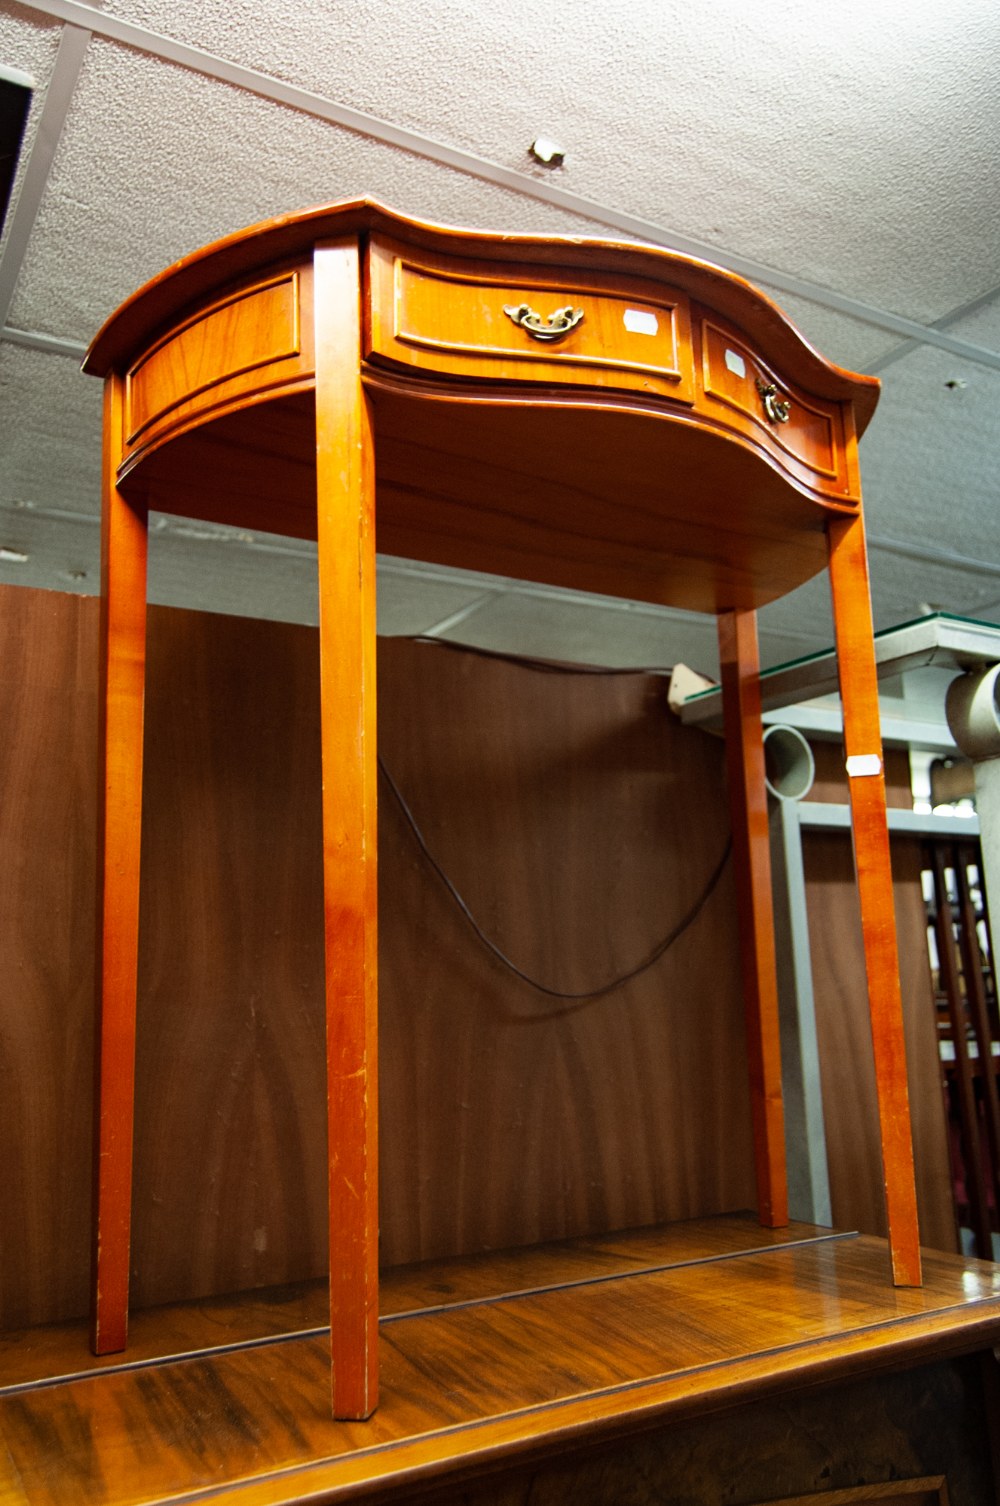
(553, 328)
(777, 408)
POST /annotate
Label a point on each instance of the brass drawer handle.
(777, 408)
(553, 328)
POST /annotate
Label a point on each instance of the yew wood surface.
(287, 238)
(862, 739)
(596, 497)
(611, 461)
(122, 665)
(739, 660)
(490, 1383)
(437, 313)
(345, 478)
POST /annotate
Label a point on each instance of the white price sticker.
(641, 321)
(863, 765)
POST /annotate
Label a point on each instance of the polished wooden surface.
(433, 314)
(290, 238)
(119, 818)
(58, 1351)
(739, 454)
(473, 1385)
(670, 357)
(863, 742)
(345, 481)
(739, 661)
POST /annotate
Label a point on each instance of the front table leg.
(122, 683)
(346, 533)
(852, 619)
(740, 664)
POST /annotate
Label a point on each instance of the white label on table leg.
(862, 765)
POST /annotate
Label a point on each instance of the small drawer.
(484, 321)
(253, 339)
(807, 432)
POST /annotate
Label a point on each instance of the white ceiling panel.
(28, 43)
(928, 461)
(156, 161)
(50, 432)
(858, 160)
(846, 342)
(807, 160)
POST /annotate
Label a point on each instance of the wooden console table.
(612, 418)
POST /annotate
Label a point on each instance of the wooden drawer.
(450, 316)
(254, 339)
(806, 434)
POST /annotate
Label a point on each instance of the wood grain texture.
(565, 807)
(182, 1329)
(345, 485)
(493, 1384)
(286, 237)
(229, 1132)
(48, 772)
(862, 740)
(439, 314)
(842, 1022)
(253, 340)
(122, 662)
(739, 660)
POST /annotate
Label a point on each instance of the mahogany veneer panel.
(48, 751)
(842, 1028)
(502, 1122)
(230, 1046)
(490, 1383)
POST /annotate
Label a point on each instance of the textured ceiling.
(846, 163)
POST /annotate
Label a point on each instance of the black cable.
(542, 666)
(588, 995)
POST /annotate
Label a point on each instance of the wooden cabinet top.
(611, 417)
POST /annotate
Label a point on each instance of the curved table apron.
(611, 418)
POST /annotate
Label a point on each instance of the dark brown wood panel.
(48, 693)
(571, 811)
(579, 823)
(844, 1036)
(577, 817)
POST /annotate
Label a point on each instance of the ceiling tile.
(807, 161)
(928, 460)
(844, 341)
(155, 162)
(50, 432)
(29, 44)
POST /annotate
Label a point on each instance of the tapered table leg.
(740, 662)
(122, 671)
(346, 507)
(852, 618)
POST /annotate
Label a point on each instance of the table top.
(610, 417)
